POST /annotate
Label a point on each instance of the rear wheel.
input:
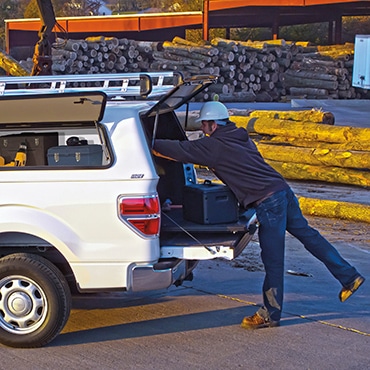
(35, 301)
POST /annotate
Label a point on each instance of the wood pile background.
(301, 148)
(274, 70)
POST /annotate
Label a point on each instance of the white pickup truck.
(87, 216)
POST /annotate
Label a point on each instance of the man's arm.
(195, 151)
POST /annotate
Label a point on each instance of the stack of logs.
(322, 72)
(272, 70)
(299, 146)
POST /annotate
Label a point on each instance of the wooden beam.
(330, 32)
(338, 31)
(275, 29)
(206, 20)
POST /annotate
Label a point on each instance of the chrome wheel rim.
(23, 305)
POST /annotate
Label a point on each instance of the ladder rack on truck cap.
(142, 85)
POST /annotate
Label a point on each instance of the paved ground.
(197, 325)
(346, 112)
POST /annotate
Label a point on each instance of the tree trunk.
(315, 116)
(304, 130)
(291, 81)
(335, 209)
(314, 75)
(305, 143)
(313, 156)
(297, 171)
(308, 91)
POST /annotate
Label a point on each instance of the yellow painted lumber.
(253, 44)
(277, 42)
(304, 44)
(361, 146)
(346, 46)
(11, 66)
(335, 209)
(181, 41)
(303, 130)
(298, 171)
(336, 51)
(316, 116)
(336, 54)
(314, 156)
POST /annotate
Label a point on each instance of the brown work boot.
(256, 321)
(347, 291)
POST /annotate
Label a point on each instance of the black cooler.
(209, 203)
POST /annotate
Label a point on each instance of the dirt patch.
(343, 231)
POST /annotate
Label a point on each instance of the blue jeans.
(277, 214)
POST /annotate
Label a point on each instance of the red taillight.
(148, 226)
(139, 206)
(143, 214)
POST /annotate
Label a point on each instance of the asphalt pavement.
(197, 325)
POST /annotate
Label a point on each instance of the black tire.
(35, 301)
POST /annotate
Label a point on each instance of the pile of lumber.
(101, 55)
(11, 66)
(248, 71)
(302, 149)
(272, 70)
(321, 72)
(251, 70)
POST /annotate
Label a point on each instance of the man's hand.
(157, 154)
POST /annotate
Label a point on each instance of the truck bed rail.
(137, 85)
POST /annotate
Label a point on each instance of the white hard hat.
(214, 111)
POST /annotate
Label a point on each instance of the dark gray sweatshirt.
(233, 157)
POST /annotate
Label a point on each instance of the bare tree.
(81, 7)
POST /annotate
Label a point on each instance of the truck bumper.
(159, 276)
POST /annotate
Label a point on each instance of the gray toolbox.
(75, 155)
